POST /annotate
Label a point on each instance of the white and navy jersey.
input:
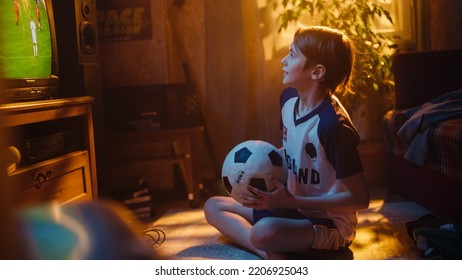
(320, 148)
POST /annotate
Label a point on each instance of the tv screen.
(28, 57)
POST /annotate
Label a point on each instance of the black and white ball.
(251, 163)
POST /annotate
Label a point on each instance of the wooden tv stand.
(69, 174)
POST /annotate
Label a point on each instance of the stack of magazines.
(135, 194)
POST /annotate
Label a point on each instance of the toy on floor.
(436, 238)
(82, 231)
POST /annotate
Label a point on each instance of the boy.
(326, 185)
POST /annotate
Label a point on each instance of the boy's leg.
(232, 219)
(282, 235)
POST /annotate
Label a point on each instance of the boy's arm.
(355, 197)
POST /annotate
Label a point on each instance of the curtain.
(243, 73)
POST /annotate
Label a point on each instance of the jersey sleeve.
(342, 150)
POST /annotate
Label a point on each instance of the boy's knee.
(209, 206)
(261, 234)
(212, 207)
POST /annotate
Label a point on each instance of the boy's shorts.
(326, 234)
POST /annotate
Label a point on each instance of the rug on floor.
(381, 235)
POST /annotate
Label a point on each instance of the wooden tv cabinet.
(53, 167)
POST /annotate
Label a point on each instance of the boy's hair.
(331, 48)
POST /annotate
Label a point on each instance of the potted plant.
(372, 85)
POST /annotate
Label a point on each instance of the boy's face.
(295, 73)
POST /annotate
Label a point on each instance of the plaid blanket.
(444, 153)
(415, 131)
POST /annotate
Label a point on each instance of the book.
(130, 187)
(140, 192)
(143, 216)
(138, 199)
(141, 210)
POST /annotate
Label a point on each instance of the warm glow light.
(399, 10)
(275, 41)
(375, 229)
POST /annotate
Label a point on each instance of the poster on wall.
(122, 21)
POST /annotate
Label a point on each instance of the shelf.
(14, 114)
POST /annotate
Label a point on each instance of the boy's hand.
(278, 198)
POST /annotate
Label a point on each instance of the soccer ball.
(251, 163)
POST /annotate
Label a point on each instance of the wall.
(135, 62)
(177, 43)
(446, 24)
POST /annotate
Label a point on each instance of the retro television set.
(28, 71)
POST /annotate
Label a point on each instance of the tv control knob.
(13, 157)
